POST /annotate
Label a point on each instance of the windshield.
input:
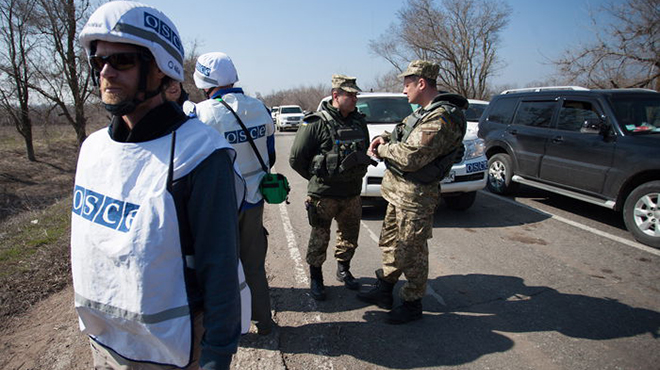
(390, 109)
(637, 114)
(290, 110)
(474, 111)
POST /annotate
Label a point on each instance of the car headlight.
(474, 148)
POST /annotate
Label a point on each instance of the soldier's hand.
(373, 147)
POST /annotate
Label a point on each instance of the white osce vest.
(256, 119)
(126, 258)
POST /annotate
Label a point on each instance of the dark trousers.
(254, 245)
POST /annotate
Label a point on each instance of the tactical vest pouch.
(355, 159)
(317, 167)
(274, 187)
(349, 134)
(331, 162)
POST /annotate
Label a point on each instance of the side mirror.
(593, 126)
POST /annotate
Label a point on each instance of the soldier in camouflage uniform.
(330, 151)
(418, 154)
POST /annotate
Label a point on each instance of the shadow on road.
(478, 308)
(564, 203)
(487, 212)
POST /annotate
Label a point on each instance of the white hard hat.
(138, 24)
(213, 70)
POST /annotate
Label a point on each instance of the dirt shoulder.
(35, 200)
(38, 325)
(45, 337)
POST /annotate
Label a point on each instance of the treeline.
(307, 97)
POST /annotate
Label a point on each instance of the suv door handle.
(558, 139)
(512, 131)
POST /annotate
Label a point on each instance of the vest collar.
(230, 90)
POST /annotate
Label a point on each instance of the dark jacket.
(314, 138)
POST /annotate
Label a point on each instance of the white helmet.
(213, 70)
(138, 24)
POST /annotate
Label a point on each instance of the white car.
(384, 110)
(289, 117)
(273, 113)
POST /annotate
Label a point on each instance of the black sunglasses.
(118, 61)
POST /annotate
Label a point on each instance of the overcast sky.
(283, 44)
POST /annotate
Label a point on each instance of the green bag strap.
(247, 133)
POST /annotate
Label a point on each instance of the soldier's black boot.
(316, 286)
(345, 276)
(380, 294)
(406, 312)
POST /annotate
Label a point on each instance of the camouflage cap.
(345, 83)
(422, 68)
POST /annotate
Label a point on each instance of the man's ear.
(159, 73)
(421, 83)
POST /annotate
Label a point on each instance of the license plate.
(476, 167)
(449, 178)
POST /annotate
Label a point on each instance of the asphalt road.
(538, 281)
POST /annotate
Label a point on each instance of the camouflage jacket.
(436, 134)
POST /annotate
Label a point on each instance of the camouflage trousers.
(347, 212)
(405, 250)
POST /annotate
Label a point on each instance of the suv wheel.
(500, 172)
(641, 213)
(461, 202)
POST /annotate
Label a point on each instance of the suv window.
(574, 113)
(637, 114)
(474, 111)
(502, 112)
(384, 110)
(290, 110)
(535, 113)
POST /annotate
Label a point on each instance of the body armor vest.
(439, 168)
(347, 160)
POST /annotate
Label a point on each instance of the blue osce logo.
(103, 210)
(160, 27)
(239, 136)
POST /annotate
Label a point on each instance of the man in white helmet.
(157, 282)
(216, 74)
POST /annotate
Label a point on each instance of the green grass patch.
(25, 236)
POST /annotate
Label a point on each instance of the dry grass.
(35, 209)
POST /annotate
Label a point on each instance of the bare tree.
(626, 52)
(17, 45)
(388, 82)
(65, 80)
(462, 36)
(195, 94)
